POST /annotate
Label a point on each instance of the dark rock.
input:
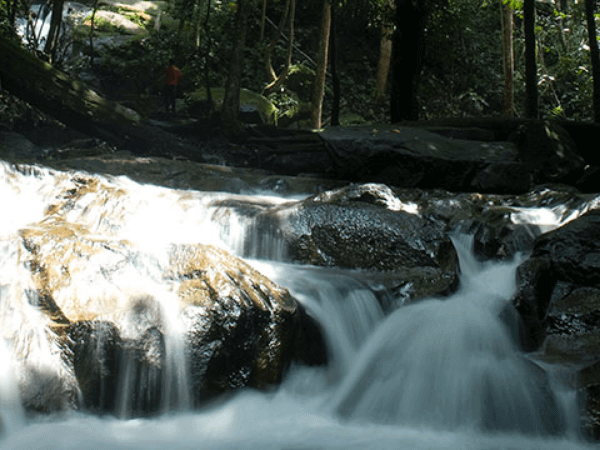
(549, 152)
(535, 282)
(574, 250)
(96, 349)
(496, 236)
(244, 331)
(363, 227)
(558, 298)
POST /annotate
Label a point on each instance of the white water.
(429, 376)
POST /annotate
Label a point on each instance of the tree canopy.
(393, 60)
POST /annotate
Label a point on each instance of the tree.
(385, 54)
(337, 89)
(508, 57)
(231, 100)
(407, 57)
(594, 56)
(531, 91)
(54, 31)
(92, 27)
(206, 27)
(321, 70)
(276, 81)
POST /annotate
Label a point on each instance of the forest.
(323, 62)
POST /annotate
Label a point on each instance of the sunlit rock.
(243, 327)
(119, 309)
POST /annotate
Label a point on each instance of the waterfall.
(12, 416)
(451, 363)
(441, 373)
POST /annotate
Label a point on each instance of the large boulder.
(364, 227)
(117, 308)
(413, 156)
(558, 297)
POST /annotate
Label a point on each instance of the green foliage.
(462, 73)
(137, 66)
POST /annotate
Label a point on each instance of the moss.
(266, 109)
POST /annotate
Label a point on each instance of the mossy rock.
(153, 8)
(266, 109)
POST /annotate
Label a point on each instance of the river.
(442, 373)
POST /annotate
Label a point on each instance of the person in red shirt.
(172, 76)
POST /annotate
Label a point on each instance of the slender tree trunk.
(594, 56)
(54, 31)
(207, 58)
(280, 79)
(337, 91)
(509, 60)
(31, 34)
(408, 44)
(263, 17)
(321, 70)
(271, 75)
(231, 100)
(92, 27)
(181, 27)
(12, 12)
(531, 91)
(385, 56)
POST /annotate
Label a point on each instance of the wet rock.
(241, 328)
(589, 399)
(574, 250)
(96, 347)
(559, 301)
(244, 329)
(496, 236)
(364, 227)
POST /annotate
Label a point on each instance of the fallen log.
(77, 106)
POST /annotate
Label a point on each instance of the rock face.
(559, 301)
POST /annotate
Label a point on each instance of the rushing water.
(438, 374)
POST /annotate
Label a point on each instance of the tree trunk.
(385, 56)
(207, 58)
(271, 75)
(263, 17)
(531, 91)
(54, 31)
(231, 100)
(280, 79)
(12, 12)
(509, 60)
(337, 90)
(92, 27)
(407, 59)
(321, 70)
(594, 56)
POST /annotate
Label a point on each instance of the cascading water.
(451, 363)
(438, 374)
(12, 416)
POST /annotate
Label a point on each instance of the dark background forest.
(325, 63)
